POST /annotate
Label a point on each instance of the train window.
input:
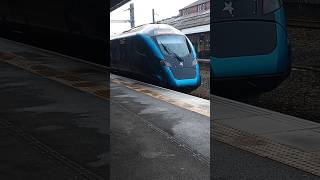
(174, 44)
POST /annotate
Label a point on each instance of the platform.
(163, 139)
(283, 138)
(56, 126)
(57, 106)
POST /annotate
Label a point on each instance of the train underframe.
(252, 86)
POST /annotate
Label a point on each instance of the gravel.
(204, 90)
(305, 46)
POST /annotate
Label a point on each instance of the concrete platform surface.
(283, 138)
(153, 139)
(58, 106)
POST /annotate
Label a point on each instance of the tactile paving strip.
(140, 87)
(49, 152)
(306, 161)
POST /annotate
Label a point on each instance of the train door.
(128, 55)
(115, 54)
(138, 56)
(142, 59)
(123, 61)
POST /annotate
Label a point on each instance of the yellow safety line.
(176, 102)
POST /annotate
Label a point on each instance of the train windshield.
(174, 45)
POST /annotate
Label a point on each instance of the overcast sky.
(143, 12)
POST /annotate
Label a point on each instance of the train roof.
(148, 29)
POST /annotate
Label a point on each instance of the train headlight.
(194, 62)
(165, 63)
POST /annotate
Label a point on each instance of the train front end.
(250, 43)
(179, 68)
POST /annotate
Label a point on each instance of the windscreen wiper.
(171, 52)
(178, 57)
(165, 48)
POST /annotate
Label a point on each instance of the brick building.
(198, 6)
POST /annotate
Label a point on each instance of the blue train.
(250, 46)
(159, 53)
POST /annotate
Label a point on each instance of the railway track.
(305, 68)
(303, 23)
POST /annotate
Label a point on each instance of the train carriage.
(159, 53)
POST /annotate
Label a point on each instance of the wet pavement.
(19, 161)
(53, 100)
(63, 119)
(152, 139)
(62, 124)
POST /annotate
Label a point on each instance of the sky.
(143, 12)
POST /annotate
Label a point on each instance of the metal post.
(153, 20)
(132, 15)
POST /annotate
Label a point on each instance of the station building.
(194, 21)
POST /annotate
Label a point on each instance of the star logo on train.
(181, 63)
(228, 7)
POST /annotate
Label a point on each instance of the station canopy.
(114, 4)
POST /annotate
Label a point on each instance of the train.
(159, 53)
(250, 50)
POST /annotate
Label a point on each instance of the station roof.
(114, 4)
(189, 21)
(196, 3)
